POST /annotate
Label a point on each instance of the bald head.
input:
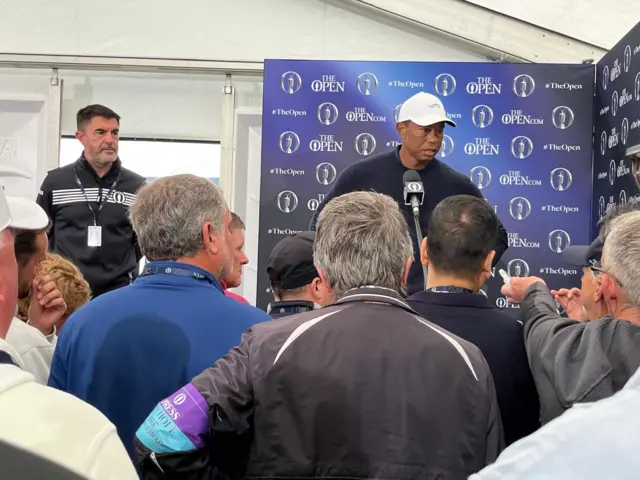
(9, 283)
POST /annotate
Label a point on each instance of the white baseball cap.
(424, 109)
(21, 213)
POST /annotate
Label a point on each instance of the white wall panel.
(185, 107)
(592, 21)
(247, 30)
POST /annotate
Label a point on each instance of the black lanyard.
(168, 270)
(102, 200)
(451, 289)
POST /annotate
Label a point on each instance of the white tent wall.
(242, 30)
(592, 21)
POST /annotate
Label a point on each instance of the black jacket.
(361, 389)
(384, 174)
(501, 340)
(114, 263)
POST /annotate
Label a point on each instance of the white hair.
(362, 239)
(168, 214)
(621, 254)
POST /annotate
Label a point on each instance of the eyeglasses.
(598, 272)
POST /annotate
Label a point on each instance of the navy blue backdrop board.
(617, 125)
(524, 136)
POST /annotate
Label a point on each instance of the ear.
(210, 240)
(407, 267)
(323, 277)
(401, 129)
(80, 136)
(488, 262)
(424, 255)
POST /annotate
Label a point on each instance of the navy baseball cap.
(584, 255)
(291, 261)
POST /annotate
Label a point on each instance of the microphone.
(413, 191)
(414, 196)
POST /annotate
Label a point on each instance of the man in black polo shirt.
(421, 124)
(88, 204)
(295, 282)
(459, 251)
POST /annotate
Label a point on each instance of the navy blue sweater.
(383, 174)
(128, 349)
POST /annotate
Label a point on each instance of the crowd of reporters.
(173, 376)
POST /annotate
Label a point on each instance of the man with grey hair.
(145, 340)
(579, 362)
(593, 440)
(363, 388)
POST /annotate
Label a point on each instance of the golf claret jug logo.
(287, 201)
(314, 203)
(326, 173)
(444, 84)
(447, 146)
(521, 147)
(289, 142)
(612, 172)
(484, 86)
(603, 143)
(396, 112)
(614, 103)
(622, 199)
(290, 82)
(626, 60)
(327, 113)
(518, 268)
(365, 144)
(605, 77)
(559, 241)
(519, 208)
(414, 187)
(624, 131)
(562, 117)
(602, 207)
(367, 83)
(561, 179)
(636, 88)
(523, 85)
(482, 116)
(480, 176)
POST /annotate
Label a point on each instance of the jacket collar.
(372, 294)
(292, 306)
(208, 276)
(450, 299)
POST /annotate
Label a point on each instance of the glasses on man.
(598, 271)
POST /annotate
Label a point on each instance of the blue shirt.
(128, 349)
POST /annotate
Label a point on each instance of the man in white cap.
(40, 420)
(34, 340)
(421, 123)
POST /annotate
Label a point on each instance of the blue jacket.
(128, 349)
